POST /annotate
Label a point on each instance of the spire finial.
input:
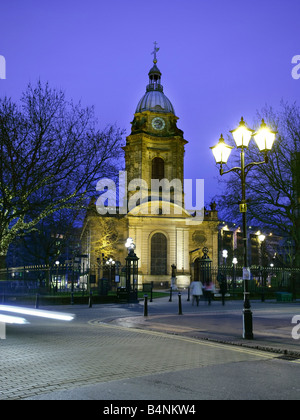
(154, 52)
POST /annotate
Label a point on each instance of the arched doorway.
(197, 269)
(159, 254)
(202, 270)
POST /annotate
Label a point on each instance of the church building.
(164, 231)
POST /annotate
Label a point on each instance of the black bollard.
(90, 300)
(37, 301)
(179, 304)
(170, 300)
(189, 294)
(223, 298)
(72, 298)
(145, 305)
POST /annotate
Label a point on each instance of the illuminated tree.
(51, 156)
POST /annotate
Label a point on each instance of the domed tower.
(154, 99)
(155, 147)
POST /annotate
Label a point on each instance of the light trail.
(7, 319)
(37, 312)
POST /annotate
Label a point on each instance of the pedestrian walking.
(196, 289)
(223, 287)
(209, 291)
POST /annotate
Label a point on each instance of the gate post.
(205, 268)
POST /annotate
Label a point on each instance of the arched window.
(158, 168)
(159, 254)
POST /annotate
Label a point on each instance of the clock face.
(158, 123)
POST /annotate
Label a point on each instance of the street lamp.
(221, 151)
(261, 237)
(242, 135)
(129, 244)
(264, 139)
(131, 271)
(56, 280)
(110, 263)
(234, 263)
(225, 256)
(262, 273)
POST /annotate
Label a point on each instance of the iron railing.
(103, 279)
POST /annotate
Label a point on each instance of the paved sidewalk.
(272, 322)
(93, 358)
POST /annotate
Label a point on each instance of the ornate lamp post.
(225, 256)
(205, 268)
(110, 264)
(234, 263)
(264, 139)
(131, 271)
(56, 281)
(262, 273)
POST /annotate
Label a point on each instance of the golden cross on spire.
(154, 52)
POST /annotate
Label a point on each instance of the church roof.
(154, 99)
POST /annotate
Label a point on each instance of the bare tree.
(102, 234)
(52, 155)
(55, 237)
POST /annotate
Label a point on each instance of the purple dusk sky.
(220, 60)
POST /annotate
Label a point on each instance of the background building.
(264, 247)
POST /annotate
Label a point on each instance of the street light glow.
(260, 236)
(221, 151)
(129, 243)
(225, 253)
(242, 135)
(264, 137)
